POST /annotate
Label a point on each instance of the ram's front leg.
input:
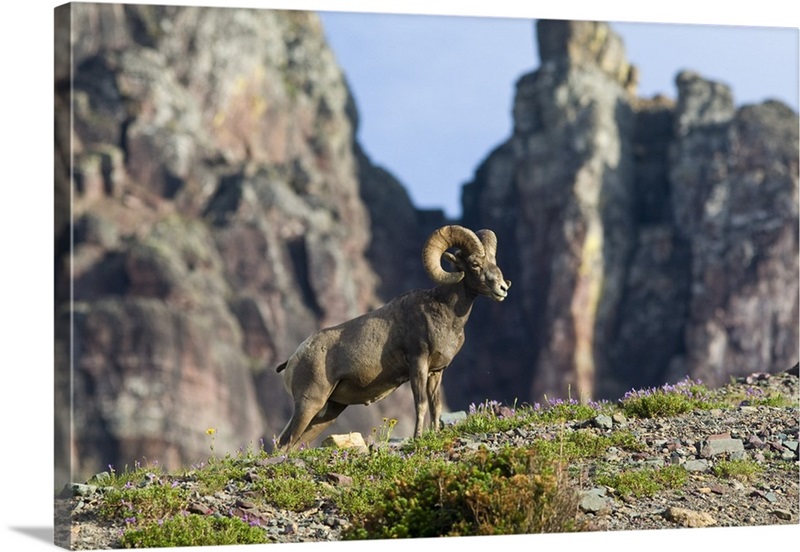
(435, 397)
(419, 384)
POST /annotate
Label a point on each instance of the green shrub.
(756, 396)
(645, 481)
(554, 410)
(668, 400)
(584, 443)
(743, 470)
(217, 473)
(290, 492)
(140, 505)
(372, 475)
(487, 493)
(493, 417)
(298, 483)
(193, 530)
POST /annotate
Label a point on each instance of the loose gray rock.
(339, 479)
(199, 508)
(100, 478)
(81, 489)
(689, 518)
(450, 418)
(715, 447)
(594, 501)
(245, 504)
(603, 421)
(656, 462)
(290, 528)
(612, 454)
(768, 496)
(700, 465)
(785, 515)
(619, 418)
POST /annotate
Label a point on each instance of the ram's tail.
(281, 367)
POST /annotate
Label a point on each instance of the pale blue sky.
(435, 92)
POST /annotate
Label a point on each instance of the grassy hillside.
(557, 466)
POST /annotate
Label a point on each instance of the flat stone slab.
(450, 418)
(594, 501)
(700, 465)
(689, 518)
(345, 440)
(715, 447)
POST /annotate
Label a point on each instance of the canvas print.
(266, 334)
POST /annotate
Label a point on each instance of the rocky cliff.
(216, 220)
(648, 239)
(213, 208)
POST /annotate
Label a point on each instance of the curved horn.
(439, 242)
(489, 241)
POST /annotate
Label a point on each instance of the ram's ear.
(451, 258)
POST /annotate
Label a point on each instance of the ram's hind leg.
(304, 412)
(321, 421)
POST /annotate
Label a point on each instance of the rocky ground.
(698, 440)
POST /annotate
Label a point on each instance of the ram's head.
(473, 260)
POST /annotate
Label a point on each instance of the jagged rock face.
(570, 194)
(217, 222)
(712, 289)
(647, 239)
(734, 175)
(586, 44)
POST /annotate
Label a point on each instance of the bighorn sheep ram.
(413, 337)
